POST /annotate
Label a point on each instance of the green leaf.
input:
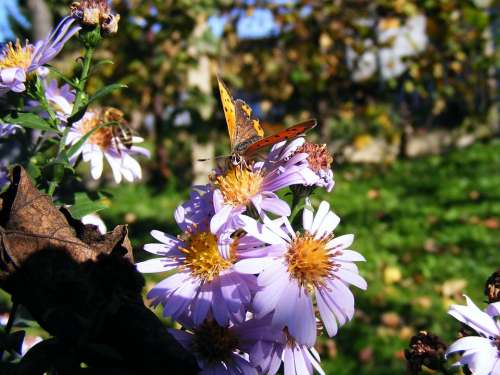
(33, 170)
(28, 120)
(84, 205)
(78, 114)
(61, 76)
(73, 149)
(106, 90)
(101, 63)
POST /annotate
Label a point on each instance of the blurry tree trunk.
(160, 148)
(199, 77)
(494, 72)
(41, 18)
(406, 130)
(201, 169)
(322, 114)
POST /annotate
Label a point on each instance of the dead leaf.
(29, 222)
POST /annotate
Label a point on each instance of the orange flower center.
(102, 137)
(308, 260)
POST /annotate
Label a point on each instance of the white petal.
(327, 226)
(153, 265)
(321, 213)
(342, 241)
(96, 165)
(115, 165)
(350, 256)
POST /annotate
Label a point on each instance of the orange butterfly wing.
(248, 129)
(229, 111)
(288, 133)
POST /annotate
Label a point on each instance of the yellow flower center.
(102, 137)
(308, 260)
(214, 343)
(203, 257)
(239, 185)
(15, 56)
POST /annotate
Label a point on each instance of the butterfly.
(245, 133)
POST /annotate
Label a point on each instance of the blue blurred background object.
(10, 12)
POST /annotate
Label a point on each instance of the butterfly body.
(245, 133)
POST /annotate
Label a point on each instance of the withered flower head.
(320, 161)
(319, 157)
(492, 287)
(426, 349)
(95, 12)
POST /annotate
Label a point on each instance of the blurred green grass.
(429, 229)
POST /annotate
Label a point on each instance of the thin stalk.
(80, 94)
(52, 187)
(79, 101)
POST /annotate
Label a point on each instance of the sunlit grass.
(429, 229)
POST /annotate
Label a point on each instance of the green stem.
(80, 90)
(52, 187)
(77, 106)
(296, 207)
(80, 94)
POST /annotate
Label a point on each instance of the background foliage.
(428, 227)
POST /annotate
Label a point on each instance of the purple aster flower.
(205, 281)
(218, 349)
(239, 187)
(104, 144)
(6, 130)
(298, 268)
(268, 348)
(60, 99)
(480, 353)
(17, 62)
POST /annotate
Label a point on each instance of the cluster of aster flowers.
(20, 65)
(246, 285)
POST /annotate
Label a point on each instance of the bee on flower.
(106, 143)
(18, 62)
